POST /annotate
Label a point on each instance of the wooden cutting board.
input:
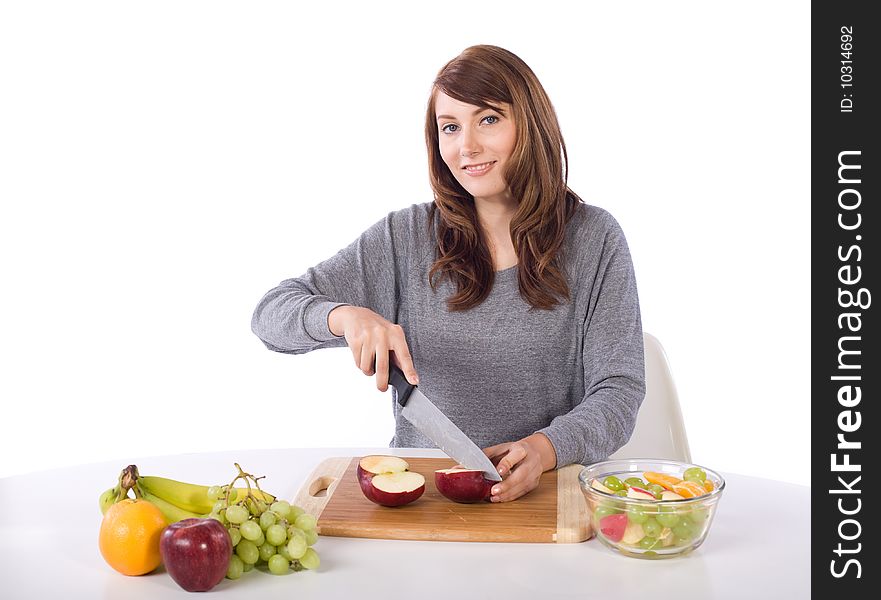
(554, 512)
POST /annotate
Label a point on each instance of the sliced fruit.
(396, 489)
(613, 527)
(709, 486)
(396, 485)
(633, 533)
(463, 485)
(636, 492)
(595, 484)
(668, 495)
(689, 489)
(662, 479)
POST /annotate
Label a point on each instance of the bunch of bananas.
(177, 500)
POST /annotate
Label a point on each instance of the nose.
(469, 145)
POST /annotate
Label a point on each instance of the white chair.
(660, 430)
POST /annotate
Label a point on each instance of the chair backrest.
(660, 430)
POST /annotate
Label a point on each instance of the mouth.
(479, 169)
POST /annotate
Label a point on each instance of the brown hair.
(536, 175)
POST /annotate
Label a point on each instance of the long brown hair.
(536, 175)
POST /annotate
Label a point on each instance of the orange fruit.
(129, 536)
(689, 489)
(709, 486)
(662, 479)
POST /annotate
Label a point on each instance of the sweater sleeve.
(292, 317)
(614, 367)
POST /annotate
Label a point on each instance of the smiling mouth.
(479, 168)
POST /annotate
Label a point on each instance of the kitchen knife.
(435, 425)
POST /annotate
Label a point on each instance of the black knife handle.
(403, 388)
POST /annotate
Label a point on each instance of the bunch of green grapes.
(279, 535)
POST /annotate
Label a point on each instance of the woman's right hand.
(372, 339)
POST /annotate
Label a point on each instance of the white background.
(163, 164)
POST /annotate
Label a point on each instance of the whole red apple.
(196, 553)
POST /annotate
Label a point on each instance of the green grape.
(235, 535)
(310, 560)
(622, 493)
(250, 530)
(637, 515)
(682, 529)
(295, 532)
(215, 492)
(281, 508)
(655, 489)
(311, 537)
(297, 547)
(258, 507)
(237, 514)
(279, 565)
(266, 519)
(305, 521)
(652, 528)
(699, 516)
(283, 550)
(296, 511)
(266, 550)
(634, 481)
(276, 534)
(248, 552)
(695, 474)
(668, 517)
(647, 543)
(218, 506)
(215, 516)
(261, 539)
(613, 483)
(236, 566)
(247, 567)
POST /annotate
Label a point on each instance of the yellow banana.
(189, 496)
(172, 513)
(108, 499)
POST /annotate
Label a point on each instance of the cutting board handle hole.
(318, 488)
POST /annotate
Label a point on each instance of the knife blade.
(435, 425)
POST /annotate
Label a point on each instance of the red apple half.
(387, 481)
(463, 485)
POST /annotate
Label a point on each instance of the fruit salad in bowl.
(650, 508)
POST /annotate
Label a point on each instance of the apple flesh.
(463, 485)
(196, 553)
(387, 480)
(639, 493)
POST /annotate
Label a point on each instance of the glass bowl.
(641, 525)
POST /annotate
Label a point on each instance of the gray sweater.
(500, 371)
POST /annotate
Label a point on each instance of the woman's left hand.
(521, 464)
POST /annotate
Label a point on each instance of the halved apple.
(463, 485)
(387, 481)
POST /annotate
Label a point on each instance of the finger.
(382, 359)
(402, 356)
(367, 359)
(522, 481)
(516, 453)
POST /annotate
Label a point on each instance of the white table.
(758, 546)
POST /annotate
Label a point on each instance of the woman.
(508, 300)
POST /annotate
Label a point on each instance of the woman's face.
(476, 144)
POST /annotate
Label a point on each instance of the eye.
(491, 117)
(444, 128)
